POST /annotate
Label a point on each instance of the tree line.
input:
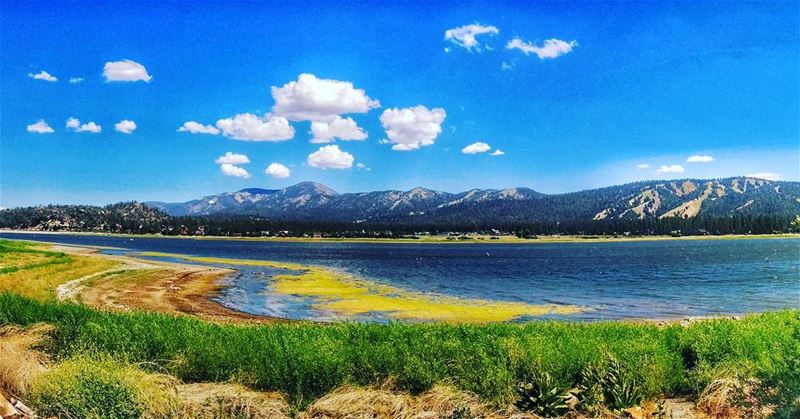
(135, 218)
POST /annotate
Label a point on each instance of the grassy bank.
(36, 272)
(306, 361)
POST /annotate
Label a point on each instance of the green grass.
(30, 269)
(306, 360)
(99, 387)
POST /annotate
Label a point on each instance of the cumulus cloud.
(125, 70)
(552, 48)
(497, 152)
(412, 128)
(672, 168)
(313, 99)
(43, 75)
(249, 127)
(330, 157)
(75, 125)
(362, 166)
(642, 166)
(40, 127)
(232, 158)
(198, 128)
(75, 80)
(767, 176)
(699, 159)
(475, 148)
(277, 171)
(466, 36)
(231, 170)
(342, 128)
(125, 126)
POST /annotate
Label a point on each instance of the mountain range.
(683, 198)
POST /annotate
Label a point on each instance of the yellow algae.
(346, 295)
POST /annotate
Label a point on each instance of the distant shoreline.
(438, 239)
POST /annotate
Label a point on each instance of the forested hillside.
(687, 206)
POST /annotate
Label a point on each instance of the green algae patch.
(345, 295)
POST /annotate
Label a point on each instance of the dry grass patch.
(732, 398)
(20, 363)
(215, 400)
(440, 402)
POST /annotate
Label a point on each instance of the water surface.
(616, 280)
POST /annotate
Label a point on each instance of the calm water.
(617, 280)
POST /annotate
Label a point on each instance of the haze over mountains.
(684, 198)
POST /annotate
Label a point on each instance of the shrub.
(609, 384)
(84, 387)
(541, 395)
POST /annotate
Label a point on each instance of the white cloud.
(75, 80)
(767, 176)
(699, 159)
(497, 152)
(362, 166)
(198, 128)
(342, 128)
(506, 66)
(466, 36)
(43, 75)
(231, 170)
(232, 158)
(642, 166)
(673, 168)
(125, 70)
(125, 126)
(249, 127)
(75, 125)
(330, 157)
(475, 148)
(412, 128)
(40, 127)
(277, 171)
(552, 48)
(313, 99)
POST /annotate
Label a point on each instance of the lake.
(616, 280)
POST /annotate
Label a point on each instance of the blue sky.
(589, 94)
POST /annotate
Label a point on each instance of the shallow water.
(648, 279)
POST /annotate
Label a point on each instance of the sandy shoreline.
(149, 285)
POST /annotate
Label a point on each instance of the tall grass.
(306, 361)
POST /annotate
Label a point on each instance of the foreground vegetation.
(617, 364)
(133, 364)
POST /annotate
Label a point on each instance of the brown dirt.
(164, 287)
